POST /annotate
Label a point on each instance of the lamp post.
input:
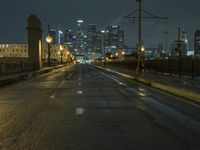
(116, 54)
(103, 48)
(166, 40)
(179, 52)
(61, 54)
(142, 55)
(49, 40)
(68, 55)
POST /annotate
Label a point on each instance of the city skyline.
(66, 17)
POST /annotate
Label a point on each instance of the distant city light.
(113, 46)
(142, 49)
(60, 32)
(80, 21)
(115, 26)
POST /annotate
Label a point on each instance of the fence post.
(192, 68)
(180, 67)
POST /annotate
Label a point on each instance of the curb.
(28, 75)
(178, 92)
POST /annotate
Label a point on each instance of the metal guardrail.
(185, 67)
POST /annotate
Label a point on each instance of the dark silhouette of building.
(69, 37)
(114, 37)
(92, 35)
(197, 43)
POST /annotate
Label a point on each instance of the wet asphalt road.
(81, 108)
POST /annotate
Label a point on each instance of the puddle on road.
(121, 83)
(79, 92)
(80, 111)
(53, 96)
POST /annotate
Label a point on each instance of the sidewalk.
(184, 87)
(6, 79)
(186, 83)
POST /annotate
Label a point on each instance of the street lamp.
(49, 40)
(166, 41)
(142, 55)
(116, 55)
(102, 45)
(142, 49)
(61, 54)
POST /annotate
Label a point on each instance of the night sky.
(183, 13)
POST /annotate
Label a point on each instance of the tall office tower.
(80, 38)
(91, 34)
(99, 42)
(114, 38)
(121, 39)
(197, 43)
(60, 35)
(68, 37)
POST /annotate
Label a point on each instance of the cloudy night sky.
(183, 13)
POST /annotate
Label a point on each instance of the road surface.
(82, 108)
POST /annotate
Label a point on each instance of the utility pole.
(166, 40)
(140, 17)
(179, 52)
(139, 44)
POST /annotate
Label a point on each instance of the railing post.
(192, 68)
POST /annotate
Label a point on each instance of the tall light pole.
(142, 57)
(61, 54)
(139, 17)
(179, 52)
(103, 47)
(166, 40)
(49, 40)
(139, 43)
